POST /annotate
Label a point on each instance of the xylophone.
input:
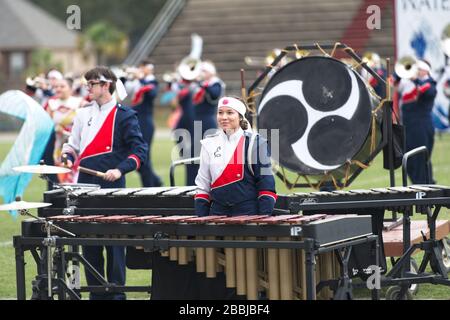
(134, 201)
(258, 253)
(399, 199)
(176, 200)
(161, 219)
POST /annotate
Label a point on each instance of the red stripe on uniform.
(425, 87)
(103, 141)
(410, 96)
(137, 99)
(268, 194)
(234, 171)
(136, 158)
(203, 196)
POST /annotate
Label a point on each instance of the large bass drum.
(323, 111)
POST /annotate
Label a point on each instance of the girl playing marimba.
(235, 175)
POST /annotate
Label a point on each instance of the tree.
(130, 16)
(41, 62)
(109, 43)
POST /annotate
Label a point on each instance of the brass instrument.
(254, 61)
(189, 68)
(372, 59)
(406, 67)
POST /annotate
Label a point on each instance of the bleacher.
(234, 29)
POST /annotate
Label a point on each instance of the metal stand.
(174, 164)
(48, 242)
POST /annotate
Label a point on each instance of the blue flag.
(29, 145)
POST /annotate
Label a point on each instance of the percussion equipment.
(42, 169)
(278, 271)
(76, 186)
(324, 114)
(290, 249)
(23, 205)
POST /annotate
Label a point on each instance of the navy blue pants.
(115, 269)
(419, 132)
(148, 176)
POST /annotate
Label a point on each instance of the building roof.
(23, 25)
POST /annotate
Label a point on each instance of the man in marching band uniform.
(235, 175)
(417, 99)
(142, 103)
(106, 137)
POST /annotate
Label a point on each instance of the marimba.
(285, 256)
(98, 211)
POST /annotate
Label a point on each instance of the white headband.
(423, 66)
(120, 88)
(234, 104)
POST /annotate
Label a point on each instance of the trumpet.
(270, 57)
(406, 67)
(372, 59)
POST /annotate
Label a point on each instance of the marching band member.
(205, 100)
(207, 96)
(62, 108)
(44, 91)
(231, 180)
(417, 100)
(374, 61)
(185, 89)
(143, 104)
(105, 137)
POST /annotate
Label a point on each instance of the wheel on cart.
(446, 253)
(444, 248)
(392, 293)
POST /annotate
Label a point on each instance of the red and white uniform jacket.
(227, 182)
(106, 137)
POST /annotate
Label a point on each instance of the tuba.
(189, 68)
(406, 67)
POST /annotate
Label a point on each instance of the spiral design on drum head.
(322, 110)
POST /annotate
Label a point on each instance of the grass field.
(375, 176)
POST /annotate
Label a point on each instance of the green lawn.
(375, 176)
